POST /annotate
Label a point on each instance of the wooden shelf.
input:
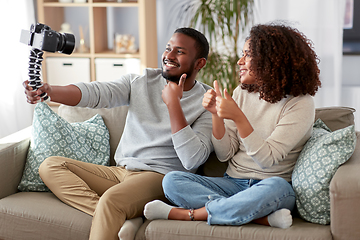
(97, 4)
(52, 13)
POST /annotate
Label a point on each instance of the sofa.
(40, 215)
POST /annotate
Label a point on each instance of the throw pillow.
(317, 163)
(53, 136)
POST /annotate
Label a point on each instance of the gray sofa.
(40, 215)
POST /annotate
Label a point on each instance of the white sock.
(157, 210)
(129, 229)
(281, 218)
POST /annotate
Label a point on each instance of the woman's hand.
(209, 103)
(226, 107)
(209, 100)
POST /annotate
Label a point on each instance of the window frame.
(351, 37)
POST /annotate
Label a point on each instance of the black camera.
(42, 37)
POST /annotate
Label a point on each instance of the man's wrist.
(173, 102)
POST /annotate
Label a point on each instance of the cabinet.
(67, 70)
(108, 69)
(93, 16)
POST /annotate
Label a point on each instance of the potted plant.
(223, 22)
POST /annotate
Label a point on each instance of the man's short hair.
(201, 43)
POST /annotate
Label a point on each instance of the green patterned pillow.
(53, 136)
(317, 163)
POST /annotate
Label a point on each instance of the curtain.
(322, 22)
(15, 112)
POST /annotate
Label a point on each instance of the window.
(351, 37)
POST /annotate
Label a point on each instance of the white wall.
(345, 92)
(167, 22)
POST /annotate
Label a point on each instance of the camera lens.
(66, 43)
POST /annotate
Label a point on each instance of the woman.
(260, 132)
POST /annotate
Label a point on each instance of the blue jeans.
(229, 201)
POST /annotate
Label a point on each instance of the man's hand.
(173, 92)
(171, 95)
(209, 100)
(33, 96)
(68, 95)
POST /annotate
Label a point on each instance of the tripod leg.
(35, 63)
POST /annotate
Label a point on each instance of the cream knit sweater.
(280, 132)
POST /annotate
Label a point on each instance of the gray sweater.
(147, 142)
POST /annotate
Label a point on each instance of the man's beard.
(176, 78)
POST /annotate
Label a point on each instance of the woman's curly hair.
(283, 63)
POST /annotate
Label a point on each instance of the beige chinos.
(109, 194)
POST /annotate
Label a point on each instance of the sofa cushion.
(336, 117)
(53, 136)
(212, 167)
(200, 230)
(12, 162)
(41, 216)
(321, 156)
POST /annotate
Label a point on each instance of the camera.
(42, 37)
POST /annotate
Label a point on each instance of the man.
(166, 129)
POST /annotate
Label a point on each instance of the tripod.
(35, 62)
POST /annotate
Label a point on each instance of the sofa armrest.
(13, 151)
(345, 198)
